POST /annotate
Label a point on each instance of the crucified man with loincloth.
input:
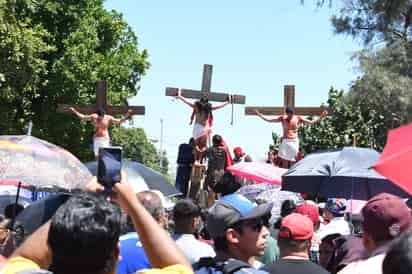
(203, 118)
(289, 146)
(101, 122)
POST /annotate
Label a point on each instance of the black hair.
(294, 245)
(203, 105)
(12, 210)
(217, 140)
(101, 112)
(288, 206)
(289, 110)
(84, 235)
(399, 257)
(227, 185)
(221, 243)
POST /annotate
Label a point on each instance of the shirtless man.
(289, 146)
(101, 123)
(202, 129)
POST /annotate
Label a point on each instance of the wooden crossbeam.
(205, 91)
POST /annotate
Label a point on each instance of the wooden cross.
(205, 91)
(289, 101)
(101, 103)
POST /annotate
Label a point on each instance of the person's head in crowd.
(384, 217)
(192, 141)
(84, 236)
(287, 207)
(398, 260)
(217, 140)
(153, 203)
(7, 242)
(227, 185)
(310, 210)
(101, 113)
(295, 235)
(238, 227)
(238, 152)
(327, 250)
(186, 217)
(289, 112)
(334, 208)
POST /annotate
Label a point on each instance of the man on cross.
(289, 146)
(203, 117)
(101, 122)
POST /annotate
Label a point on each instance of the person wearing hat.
(186, 216)
(240, 156)
(334, 213)
(384, 217)
(239, 229)
(294, 241)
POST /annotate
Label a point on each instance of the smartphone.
(109, 164)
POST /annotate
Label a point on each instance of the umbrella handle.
(13, 220)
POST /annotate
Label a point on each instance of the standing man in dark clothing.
(185, 159)
(294, 241)
(217, 163)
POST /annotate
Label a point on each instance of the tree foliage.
(54, 52)
(136, 147)
(346, 122)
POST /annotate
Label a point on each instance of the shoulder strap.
(233, 265)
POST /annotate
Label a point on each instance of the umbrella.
(39, 212)
(396, 159)
(253, 190)
(339, 173)
(277, 197)
(40, 164)
(258, 172)
(142, 177)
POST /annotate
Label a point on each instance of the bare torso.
(201, 117)
(290, 126)
(101, 125)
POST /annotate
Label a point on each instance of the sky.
(255, 47)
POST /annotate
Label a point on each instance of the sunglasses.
(254, 224)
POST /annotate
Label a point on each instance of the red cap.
(310, 211)
(238, 151)
(296, 226)
(385, 216)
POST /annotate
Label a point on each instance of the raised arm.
(121, 120)
(160, 249)
(229, 100)
(275, 120)
(82, 116)
(184, 100)
(317, 119)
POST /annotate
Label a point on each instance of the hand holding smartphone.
(109, 165)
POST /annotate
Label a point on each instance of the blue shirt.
(133, 257)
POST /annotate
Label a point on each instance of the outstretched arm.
(184, 100)
(317, 119)
(229, 100)
(81, 115)
(121, 120)
(275, 120)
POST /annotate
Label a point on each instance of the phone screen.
(109, 165)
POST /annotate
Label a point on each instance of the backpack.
(226, 267)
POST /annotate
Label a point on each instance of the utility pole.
(161, 145)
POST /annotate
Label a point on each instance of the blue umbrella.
(339, 173)
(142, 177)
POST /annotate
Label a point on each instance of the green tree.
(136, 147)
(345, 122)
(54, 52)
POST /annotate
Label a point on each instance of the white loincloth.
(100, 142)
(200, 130)
(288, 149)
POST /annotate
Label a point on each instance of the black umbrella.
(138, 173)
(39, 212)
(339, 173)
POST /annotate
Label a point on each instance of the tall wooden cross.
(288, 101)
(101, 103)
(205, 92)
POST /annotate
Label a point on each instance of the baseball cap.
(336, 206)
(296, 226)
(238, 151)
(385, 216)
(185, 208)
(231, 209)
(310, 211)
